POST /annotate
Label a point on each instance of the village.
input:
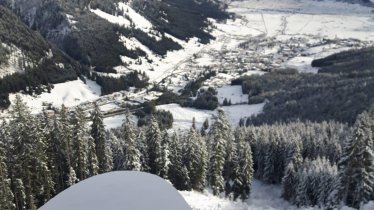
(256, 55)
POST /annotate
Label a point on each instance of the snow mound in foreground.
(119, 190)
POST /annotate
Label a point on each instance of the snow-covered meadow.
(263, 197)
(70, 94)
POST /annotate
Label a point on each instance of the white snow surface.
(70, 94)
(233, 93)
(114, 121)
(207, 201)
(293, 17)
(139, 21)
(236, 112)
(302, 64)
(118, 191)
(120, 20)
(183, 115)
(263, 197)
(129, 18)
(368, 206)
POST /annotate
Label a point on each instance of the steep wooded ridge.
(93, 41)
(33, 60)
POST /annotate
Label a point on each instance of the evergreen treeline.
(205, 98)
(112, 84)
(324, 164)
(331, 94)
(93, 41)
(184, 18)
(319, 164)
(42, 155)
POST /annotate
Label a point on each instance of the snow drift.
(119, 190)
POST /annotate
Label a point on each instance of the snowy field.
(70, 94)
(114, 121)
(183, 115)
(263, 197)
(294, 17)
(287, 19)
(233, 94)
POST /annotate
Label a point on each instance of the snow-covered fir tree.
(301, 198)
(19, 194)
(204, 127)
(217, 155)
(270, 159)
(6, 194)
(195, 159)
(66, 132)
(141, 143)
(154, 144)
(289, 180)
(117, 146)
(98, 134)
(92, 160)
(177, 174)
(132, 154)
(243, 168)
(289, 183)
(231, 157)
(57, 151)
(356, 167)
(28, 167)
(80, 145)
(165, 153)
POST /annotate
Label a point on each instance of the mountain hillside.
(83, 29)
(99, 36)
(27, 60)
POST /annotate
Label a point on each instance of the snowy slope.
(207, 201)
(119, 191)
(233, 94)
(129, 17)
(70, 94)
(183, 115)
(263, 197)
(11, 66)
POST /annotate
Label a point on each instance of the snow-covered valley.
(263, 35)
(260, 36)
